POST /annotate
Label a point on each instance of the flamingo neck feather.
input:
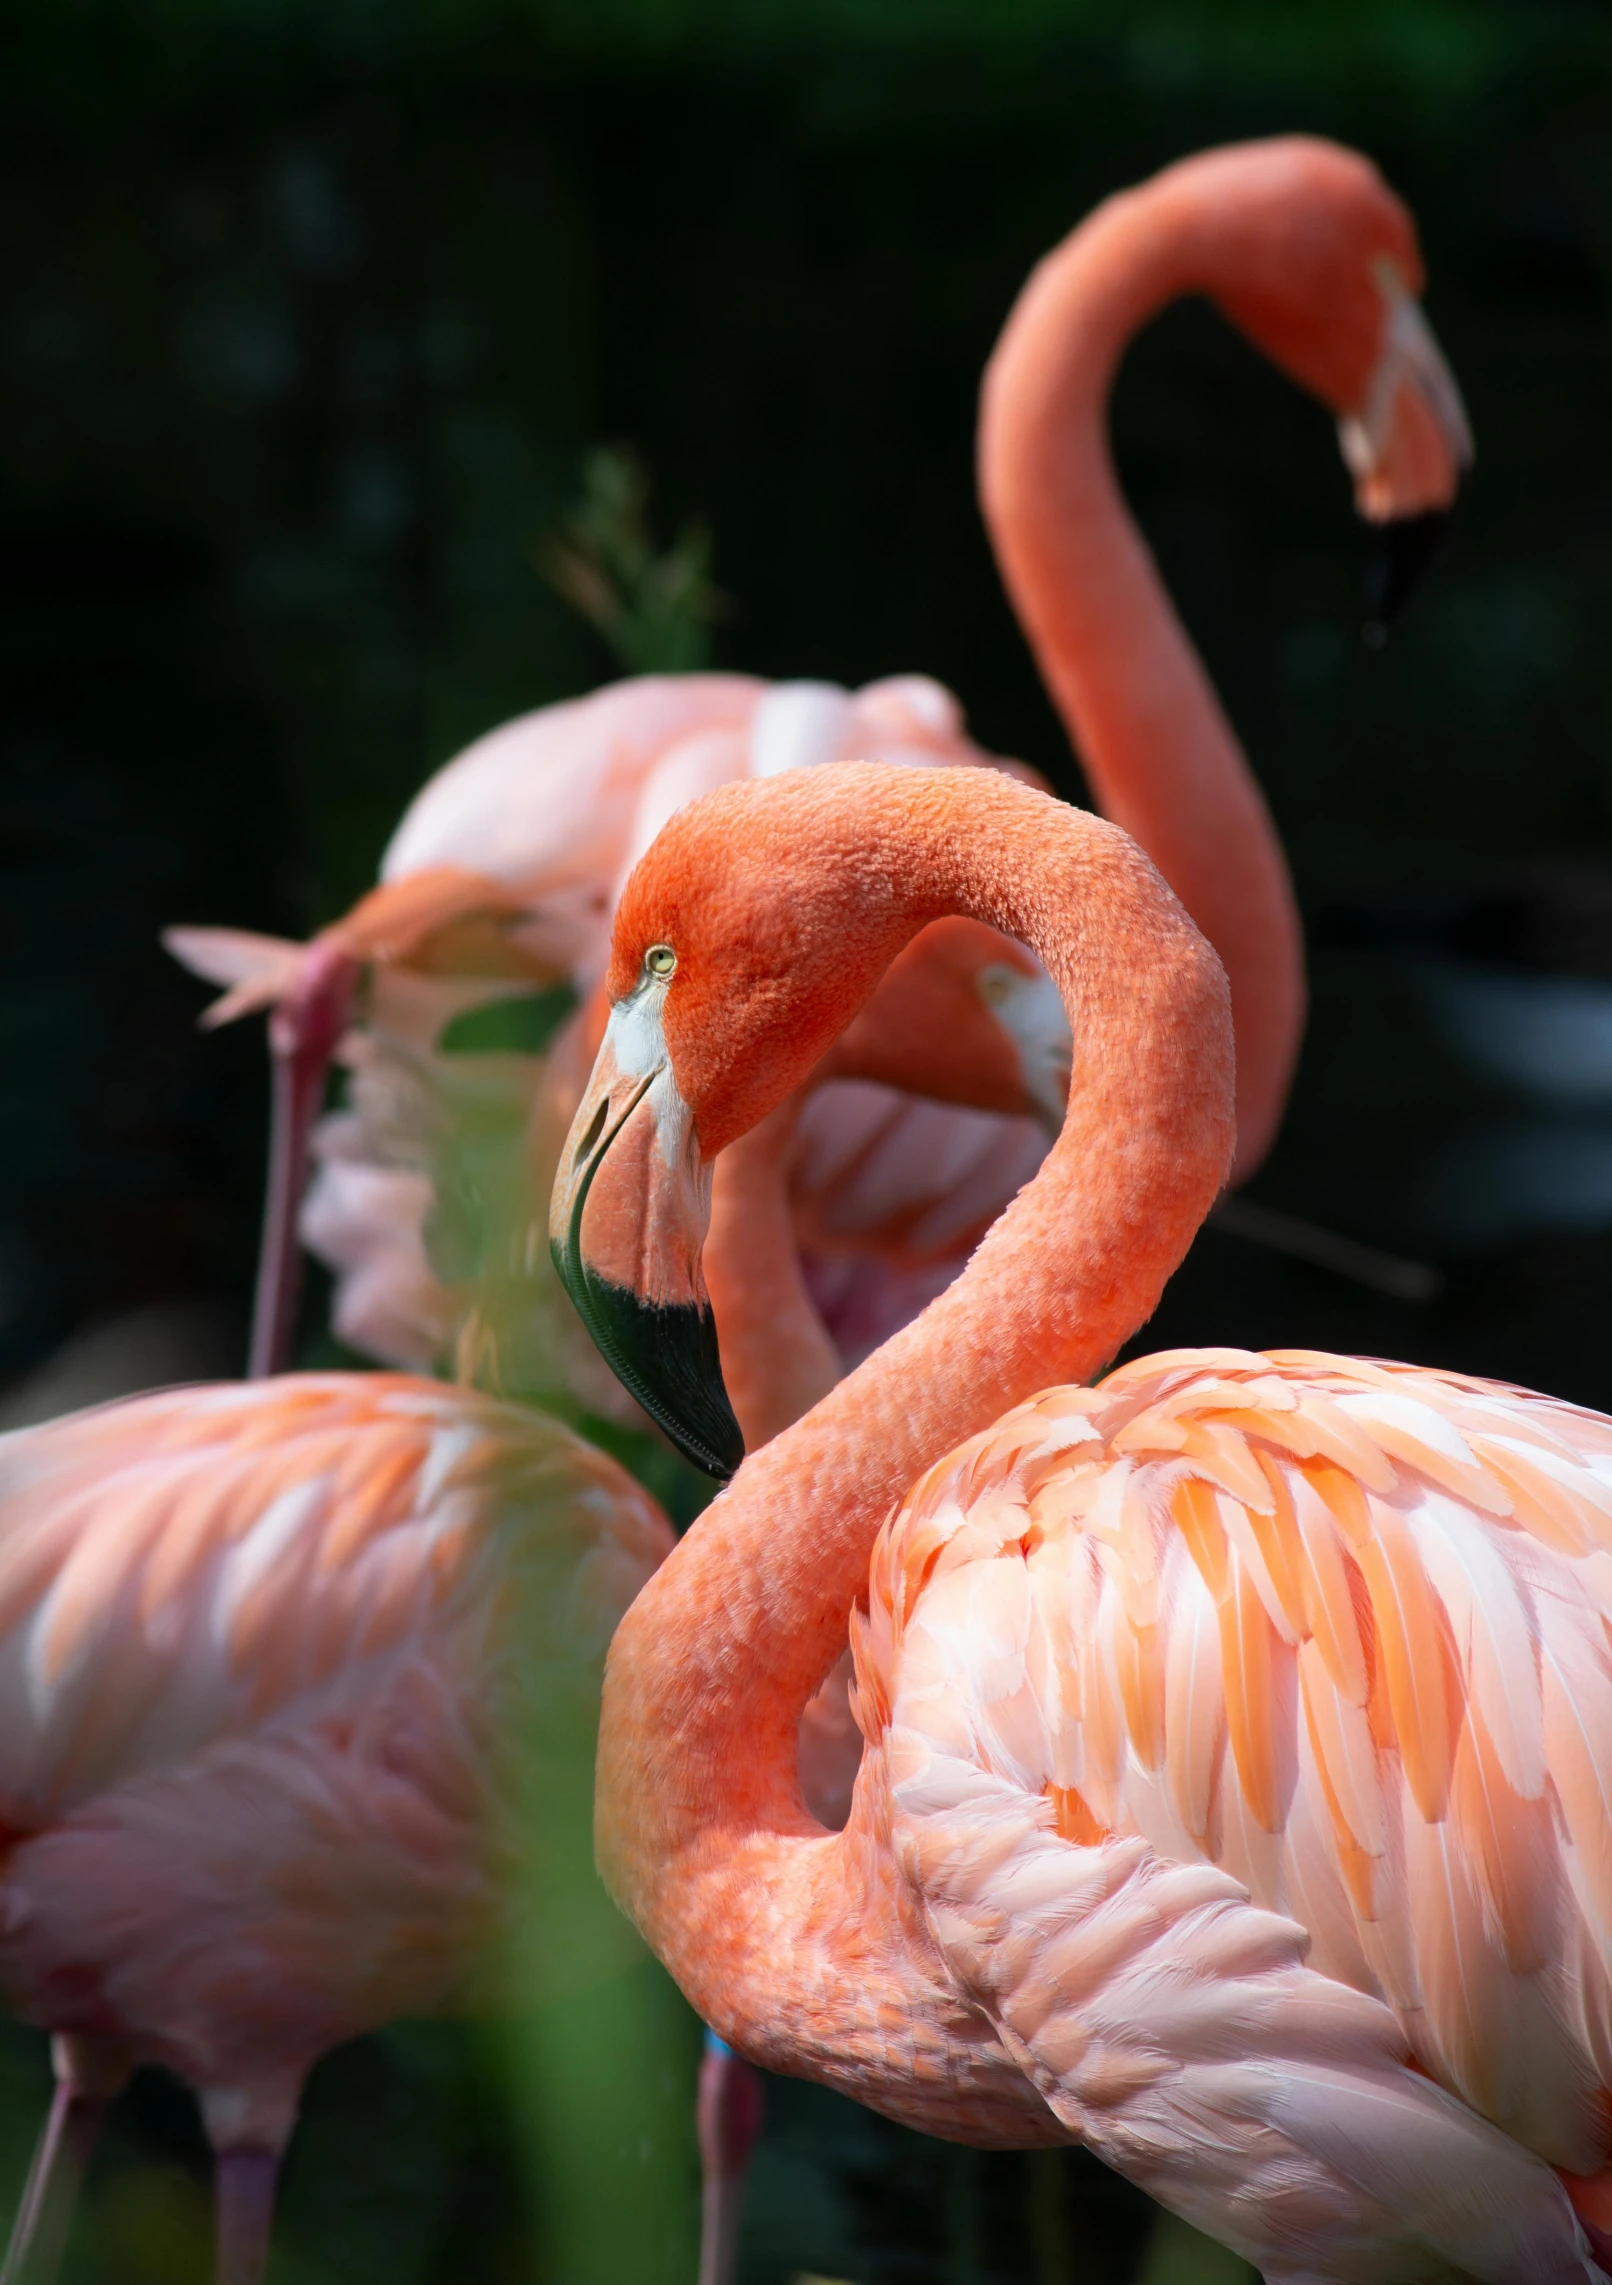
(778, 1357)
(701, 1830)
(1131, 690)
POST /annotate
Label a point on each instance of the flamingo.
(493, 908)
(1303, 247)
(497, 881)
(263, 1648)
(1237, 1794)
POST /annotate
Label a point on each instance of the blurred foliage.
(655, 611)
(312, 309)
(601, 2049)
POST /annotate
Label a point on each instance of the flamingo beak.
(1408, 448)
(627, 1222)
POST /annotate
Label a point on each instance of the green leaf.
(521, 1026)
(654, 610)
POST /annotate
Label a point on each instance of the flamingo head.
(754, 930)
(1317, 261)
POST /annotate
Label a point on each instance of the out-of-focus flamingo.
(265, 1651)
(1305, 250)
(490, 922)
(1236, 1799)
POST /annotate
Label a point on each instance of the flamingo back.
(553, 810)
(296, 1678)
(1264, 1704)
(208, 1562)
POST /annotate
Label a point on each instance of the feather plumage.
(1331, 1633)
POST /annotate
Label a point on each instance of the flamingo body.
(1238, 1786)
(1267, 1700)
(261, 1649)
(502, 878)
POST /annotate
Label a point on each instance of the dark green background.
(308, 316)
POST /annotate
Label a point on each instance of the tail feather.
(258, 970)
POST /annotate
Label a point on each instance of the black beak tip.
(664, 1354)
(680, 1386)
(1402, 552)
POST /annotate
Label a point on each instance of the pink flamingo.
(261, 1649)
(1307, 252)
(498, 884)
(1238, 1788)
(501, 878)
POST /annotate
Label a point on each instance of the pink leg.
(729, 2115)
(303, 1034)
(244, 2206)
(89, 2076)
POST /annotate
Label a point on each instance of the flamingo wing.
(180, 1568)
(1231, 1646)
(550, 795)
(891, 1194)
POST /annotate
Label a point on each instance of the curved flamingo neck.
(1131, 690)
(701, 1830)
(778, 1357)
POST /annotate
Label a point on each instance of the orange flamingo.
(1238, 1788)
(1302, 246)
(1308, 253)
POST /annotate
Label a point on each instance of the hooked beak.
(1408, 449)
(627, 1222)
(1402, 553)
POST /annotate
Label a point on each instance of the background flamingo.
(1233, 1801)
(272, 1655)
(495, 900)
(1305, 250)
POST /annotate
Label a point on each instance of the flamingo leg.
(303, 1034)
(965, 2218)
(1044, 2211)
(39, 2233)
(729, 2117)
(243, 2204)
(90, 2074)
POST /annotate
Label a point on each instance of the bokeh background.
(309, 315)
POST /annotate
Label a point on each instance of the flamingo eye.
(659, 961)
